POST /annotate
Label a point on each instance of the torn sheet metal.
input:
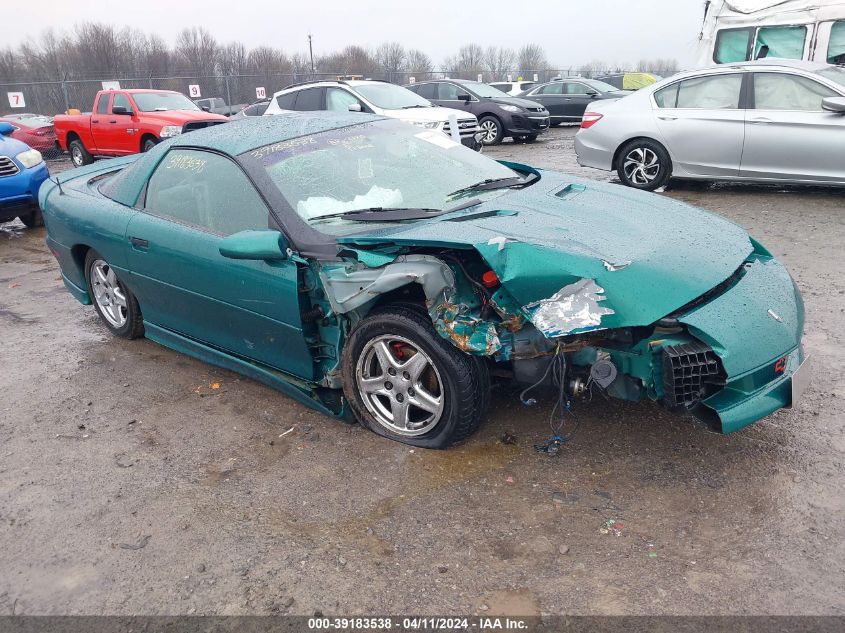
(469, 333)
(574, 308)
(349, 288)
(611, 267)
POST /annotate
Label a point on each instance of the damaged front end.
(697, 358)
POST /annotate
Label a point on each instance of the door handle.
(138, 242)
(95, 120)
(113, 121)
(759, 121)
(667, 117)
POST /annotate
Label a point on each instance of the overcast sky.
(573, 33)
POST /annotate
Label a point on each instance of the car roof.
(243, 135)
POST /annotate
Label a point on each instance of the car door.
(577, 97)
(184, 285)
(787, 133)
(702, 121)
(122, 132)
(552, 97)
(451, 95)
(100, 126)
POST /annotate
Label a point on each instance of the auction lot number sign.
(16, 100)
(194, 91)
(260, 93)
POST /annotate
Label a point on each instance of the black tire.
(134, 324)
(529, 138)
(79, 156)
(648, 176)
(495, 126)
(33, 218)
(148, 144)
(465, 379)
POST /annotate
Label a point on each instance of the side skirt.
(300, 390)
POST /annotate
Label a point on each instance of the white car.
(375, 97)
(513, 88)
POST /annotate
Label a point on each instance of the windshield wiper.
(496, 183)
(419, 105)
(395, 214)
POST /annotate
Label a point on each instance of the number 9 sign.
(194, 91)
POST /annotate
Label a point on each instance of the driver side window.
(207, 191)
(451, 92)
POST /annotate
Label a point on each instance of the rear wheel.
(79, 156)
(114, 303)
(644, 164)
(406, 383)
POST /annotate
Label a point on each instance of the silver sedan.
(763, 121)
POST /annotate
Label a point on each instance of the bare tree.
(419, 63)
(531, 59)
(499, 61)
(391, 57)
(158, 56)
(468, 62)
(198, 50)
(664, 67)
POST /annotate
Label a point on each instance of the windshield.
(834, 74)
(391, 97)
(600, 85)
(485, 91)
(162, 101)
(383, 165)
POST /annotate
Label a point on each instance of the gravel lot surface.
(135, 480)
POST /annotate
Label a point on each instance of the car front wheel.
(644, 164)
(114, 303)
(406, 383)
(493, 131)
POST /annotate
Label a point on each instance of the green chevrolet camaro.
(382, 272)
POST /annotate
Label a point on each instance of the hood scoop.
(570, 191)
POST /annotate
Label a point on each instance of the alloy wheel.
(641, 166)
(400, 385)
(76, 155)
(491, 131)
(108, 293)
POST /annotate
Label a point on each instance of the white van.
(741, 30)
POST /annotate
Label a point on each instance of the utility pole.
(311, 54)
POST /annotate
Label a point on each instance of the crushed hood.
(647, 255)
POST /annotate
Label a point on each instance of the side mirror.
(464, 97)
(355, 107)
(592, 94)
(834, 104)
(6, 128)
(267, 245)
(206, 109)
(121, 110)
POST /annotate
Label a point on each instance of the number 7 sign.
(16, 100)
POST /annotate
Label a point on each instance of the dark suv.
(499, 114)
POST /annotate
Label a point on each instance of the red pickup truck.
(127, 122)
